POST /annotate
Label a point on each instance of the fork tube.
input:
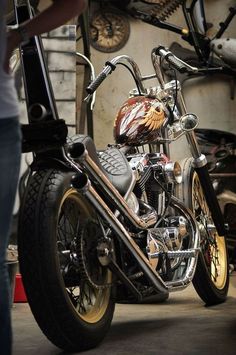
(211, 199)
(157, 67)
(200, 166)
(181, 103)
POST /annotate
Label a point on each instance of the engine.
(163, 244)
(156, 177)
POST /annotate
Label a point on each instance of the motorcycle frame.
(32, 53)
(39, 98)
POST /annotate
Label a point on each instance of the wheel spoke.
(88, 302)
(209, 240)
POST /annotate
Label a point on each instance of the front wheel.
(211, 279)
(68, 290)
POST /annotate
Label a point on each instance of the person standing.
(58, 13)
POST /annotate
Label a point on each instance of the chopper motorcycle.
(122, 225)
(125, 224)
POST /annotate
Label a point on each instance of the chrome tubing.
(88, 191)
(142, 222)
(158, 71)
(222, 175)
(194, 246)
(137, 73)
(92, 70)
(199, 159)
(83, 186)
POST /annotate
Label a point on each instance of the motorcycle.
(122, 225)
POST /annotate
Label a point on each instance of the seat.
(111, 161)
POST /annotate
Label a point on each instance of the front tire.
(74, 314)
(211, 279)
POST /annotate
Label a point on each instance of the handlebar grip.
(96, 83)
(176, 63)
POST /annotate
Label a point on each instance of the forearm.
(54, 16)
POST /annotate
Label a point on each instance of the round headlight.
(173, 172)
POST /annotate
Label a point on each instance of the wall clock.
(109, 30)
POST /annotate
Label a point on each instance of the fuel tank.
(139, 121)
(225, 48)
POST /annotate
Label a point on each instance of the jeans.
(10, 153)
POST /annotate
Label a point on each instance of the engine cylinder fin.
(142, 181)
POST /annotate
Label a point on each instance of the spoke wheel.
(211, 279)
(90, 302)
(213, 246)
(73, 313)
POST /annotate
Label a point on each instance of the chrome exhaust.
(82, 184)
(142, 222)
(193, 251)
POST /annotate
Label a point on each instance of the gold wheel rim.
(218, 264)
(90, 303)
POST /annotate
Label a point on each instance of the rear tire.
(71, 312)
(211, 279)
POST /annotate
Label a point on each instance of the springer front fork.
(188, 123)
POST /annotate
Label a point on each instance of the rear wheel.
(211, 279)
(68, 290)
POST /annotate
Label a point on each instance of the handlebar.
(100, 78)
(110, 66)
(175, 62)
(160, 51)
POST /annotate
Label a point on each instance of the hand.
(12, 41)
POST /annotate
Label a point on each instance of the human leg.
(10, 150)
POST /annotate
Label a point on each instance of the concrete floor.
(181, 325)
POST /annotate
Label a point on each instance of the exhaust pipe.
(82, 184)
(79, 153)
